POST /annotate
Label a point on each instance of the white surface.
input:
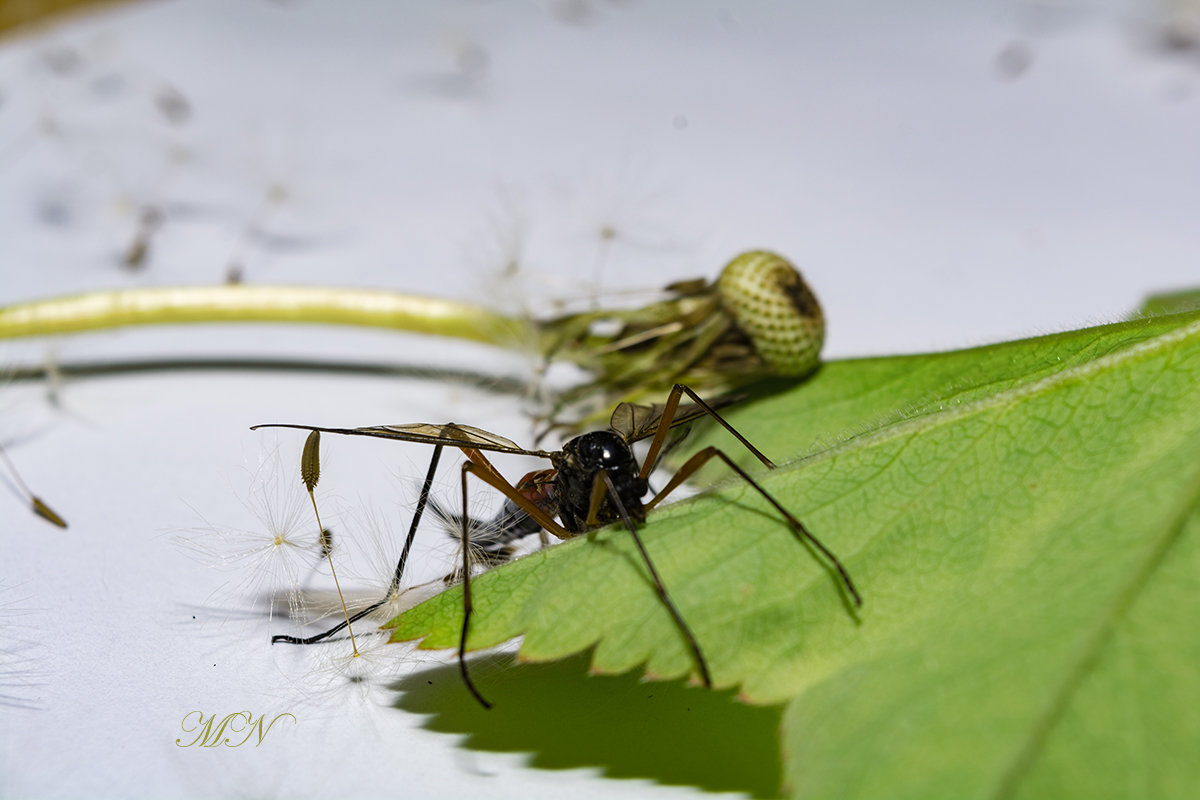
(932, 200)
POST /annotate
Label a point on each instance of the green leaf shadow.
(663, 731)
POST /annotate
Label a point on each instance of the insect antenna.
(36, 503)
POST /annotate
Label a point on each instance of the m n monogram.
(208, 733)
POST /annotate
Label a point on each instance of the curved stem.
(373, 308)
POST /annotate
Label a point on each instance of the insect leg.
(599, 489)
(466, 573)
(481, 468)
(602, 480)
(664, 425)
(802, 533)
(422, 501)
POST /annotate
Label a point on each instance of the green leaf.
(1171, 303)
(1022, 522)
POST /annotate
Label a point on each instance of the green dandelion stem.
(371, 308)
(758, 318)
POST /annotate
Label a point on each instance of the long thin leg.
(481, 468)
(802, 533)
(664, 425)
(599, 489)
(467, 467)
(488, 474)
(659, 587)
(422, 501)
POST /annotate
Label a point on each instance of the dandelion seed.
(336, 678)
(371, 592)
(345, 671)
(38, 505)
(310, 474)
(273, 556)
(17, 483)
(380, 547)
(20, 673)
(492, 538)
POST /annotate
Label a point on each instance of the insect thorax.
(580, 461)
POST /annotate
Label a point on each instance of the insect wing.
(451, 434)
(634, 422)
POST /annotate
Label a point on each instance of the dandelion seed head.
(272, 557)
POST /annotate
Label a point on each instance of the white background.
(944, 174)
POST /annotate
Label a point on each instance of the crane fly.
(593, 481)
